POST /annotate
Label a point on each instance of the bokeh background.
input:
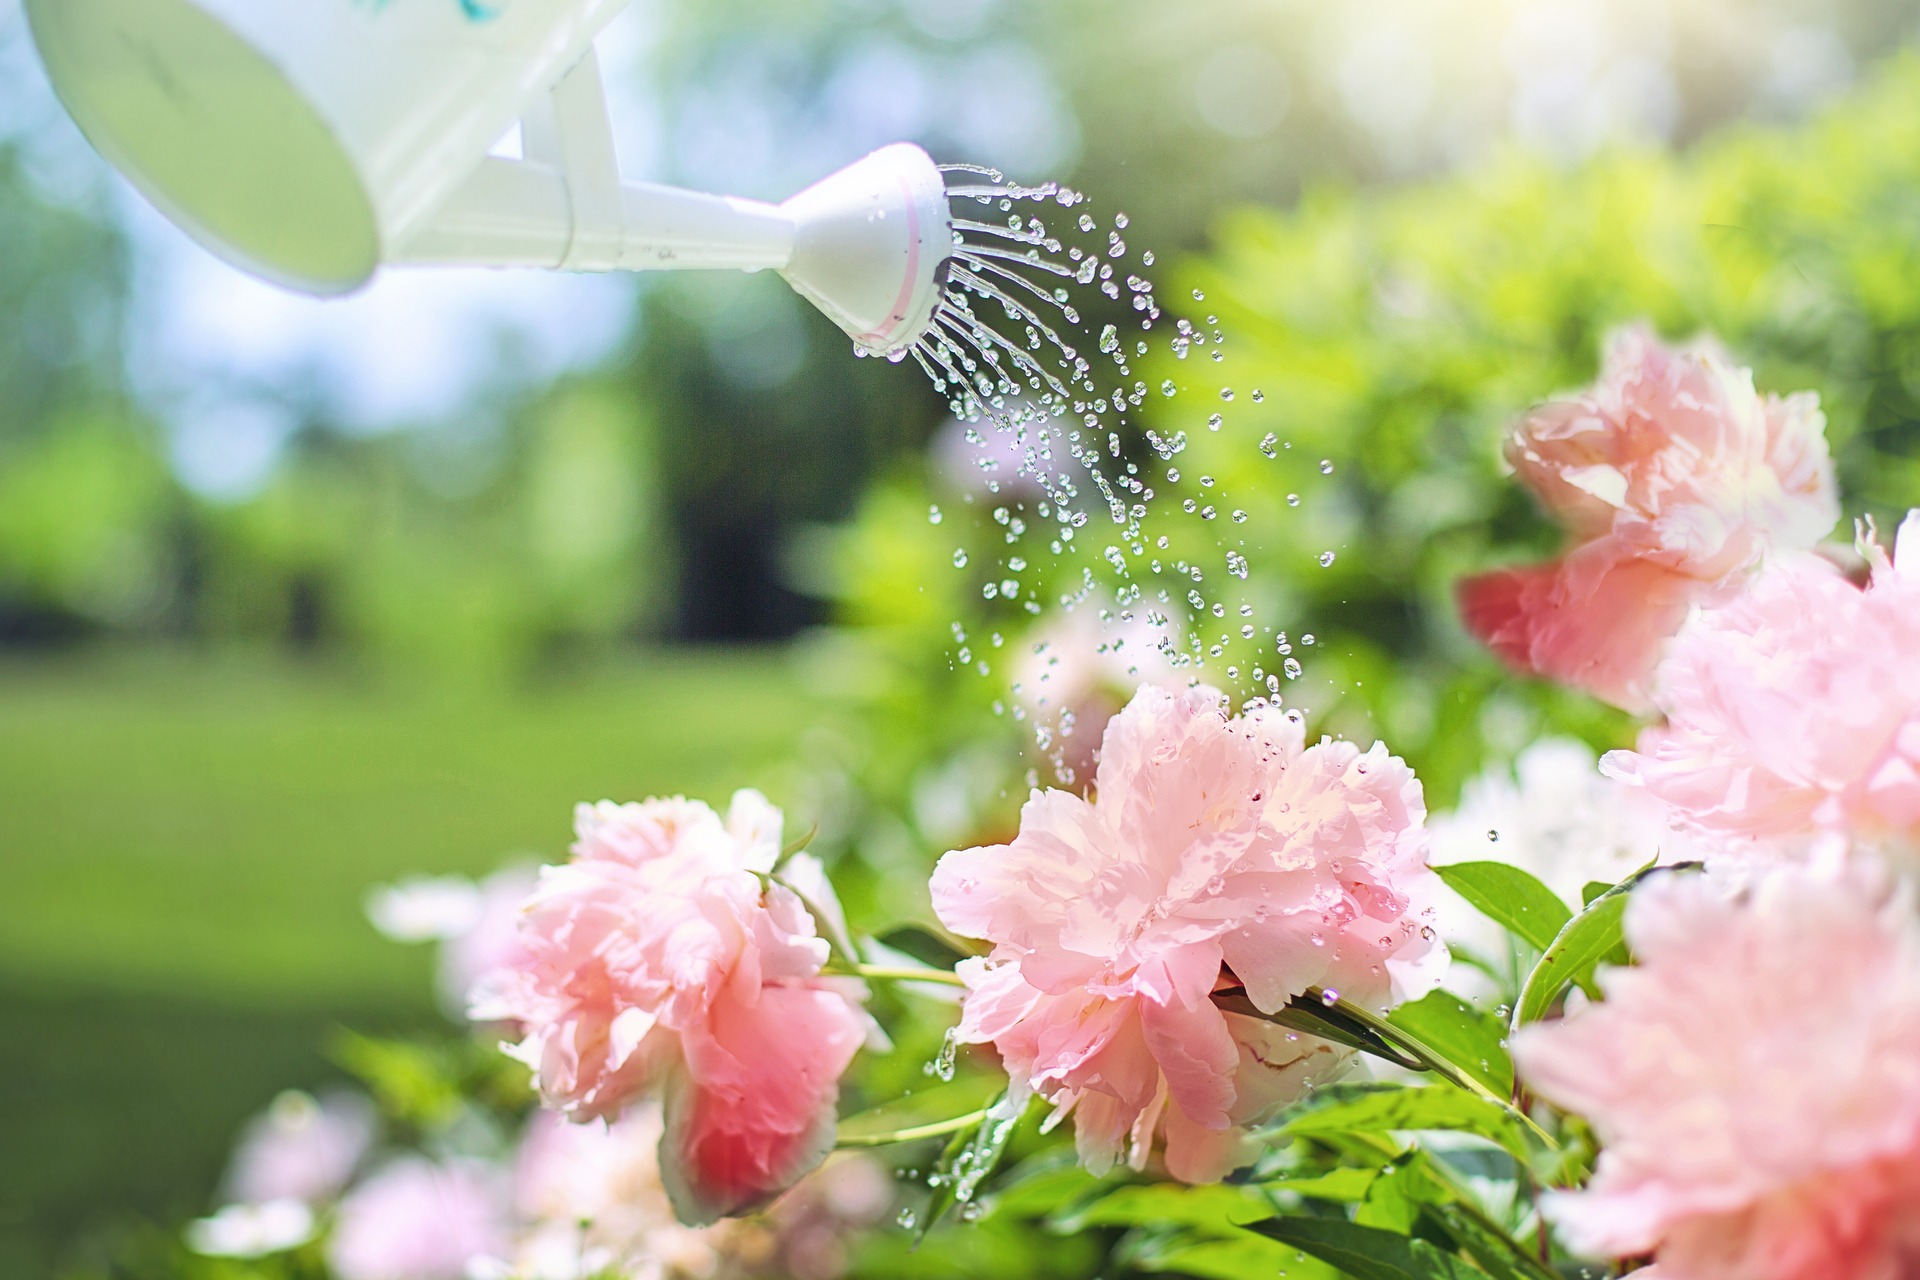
(296, 598)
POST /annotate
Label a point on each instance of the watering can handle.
(571, 130)
(565, 206)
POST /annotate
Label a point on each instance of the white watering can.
(313, 141)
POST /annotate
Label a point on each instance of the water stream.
(1159, 560)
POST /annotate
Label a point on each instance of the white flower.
(1555, 816)
(425, 908)
(252, 1230)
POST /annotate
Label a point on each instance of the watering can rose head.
(661, 959)
(1218, 853)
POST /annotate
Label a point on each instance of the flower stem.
(896, 973)
(1429, 1058)
(937, 1129)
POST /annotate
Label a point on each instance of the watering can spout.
(866, 245)
(313, 141)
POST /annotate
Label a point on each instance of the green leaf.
(1510, 898)
(925, 944)
(1470, 1038)
(1589, 938)
(955, 1098)
(1346, 1185)
(1240, 1259)
(1317, 1018)
(970, 1158)
(1393, 1201)
(1367, 1253)
(1217, 1208)
(1591, 890)
(1379, 1108)
(1044, 1184)
(1502, 1257)
(1595, 935)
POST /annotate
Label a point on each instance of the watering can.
(311, 142)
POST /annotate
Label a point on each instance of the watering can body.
(308, 140)
(312, 141)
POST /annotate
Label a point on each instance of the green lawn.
(184, 846)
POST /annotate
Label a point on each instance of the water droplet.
(1292, 667)
(1326, 559)
(1307, 638)
(1268, 445)
(959, 558)
(1086, 222)
(1214, 422)
(1120, 220)
(943, 1065)
(1493, 836)
(1330, 997)
(1226, 393)
(907, 1219)
(1167, 388)
(1258, 395)
(1198, 296)
(933, 515)
(1326, 466)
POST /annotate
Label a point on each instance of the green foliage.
(1387, 1108)
(1367, 1253)
(1213, 1259)
(942, 1101)
(428, 1083)
(1594, 935)
(1511, 898)
(1467, 1036)
(970, 1158)
(1167, 1205)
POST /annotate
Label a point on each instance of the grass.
(184, 848)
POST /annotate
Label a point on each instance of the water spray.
(312, 142)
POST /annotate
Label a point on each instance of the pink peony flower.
(1676, 479)
(1755, 1081)
(417, 1220)
(301, 1149)
(592, 1202)
(659, 959)
(1794, 711)
(1219, 851)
